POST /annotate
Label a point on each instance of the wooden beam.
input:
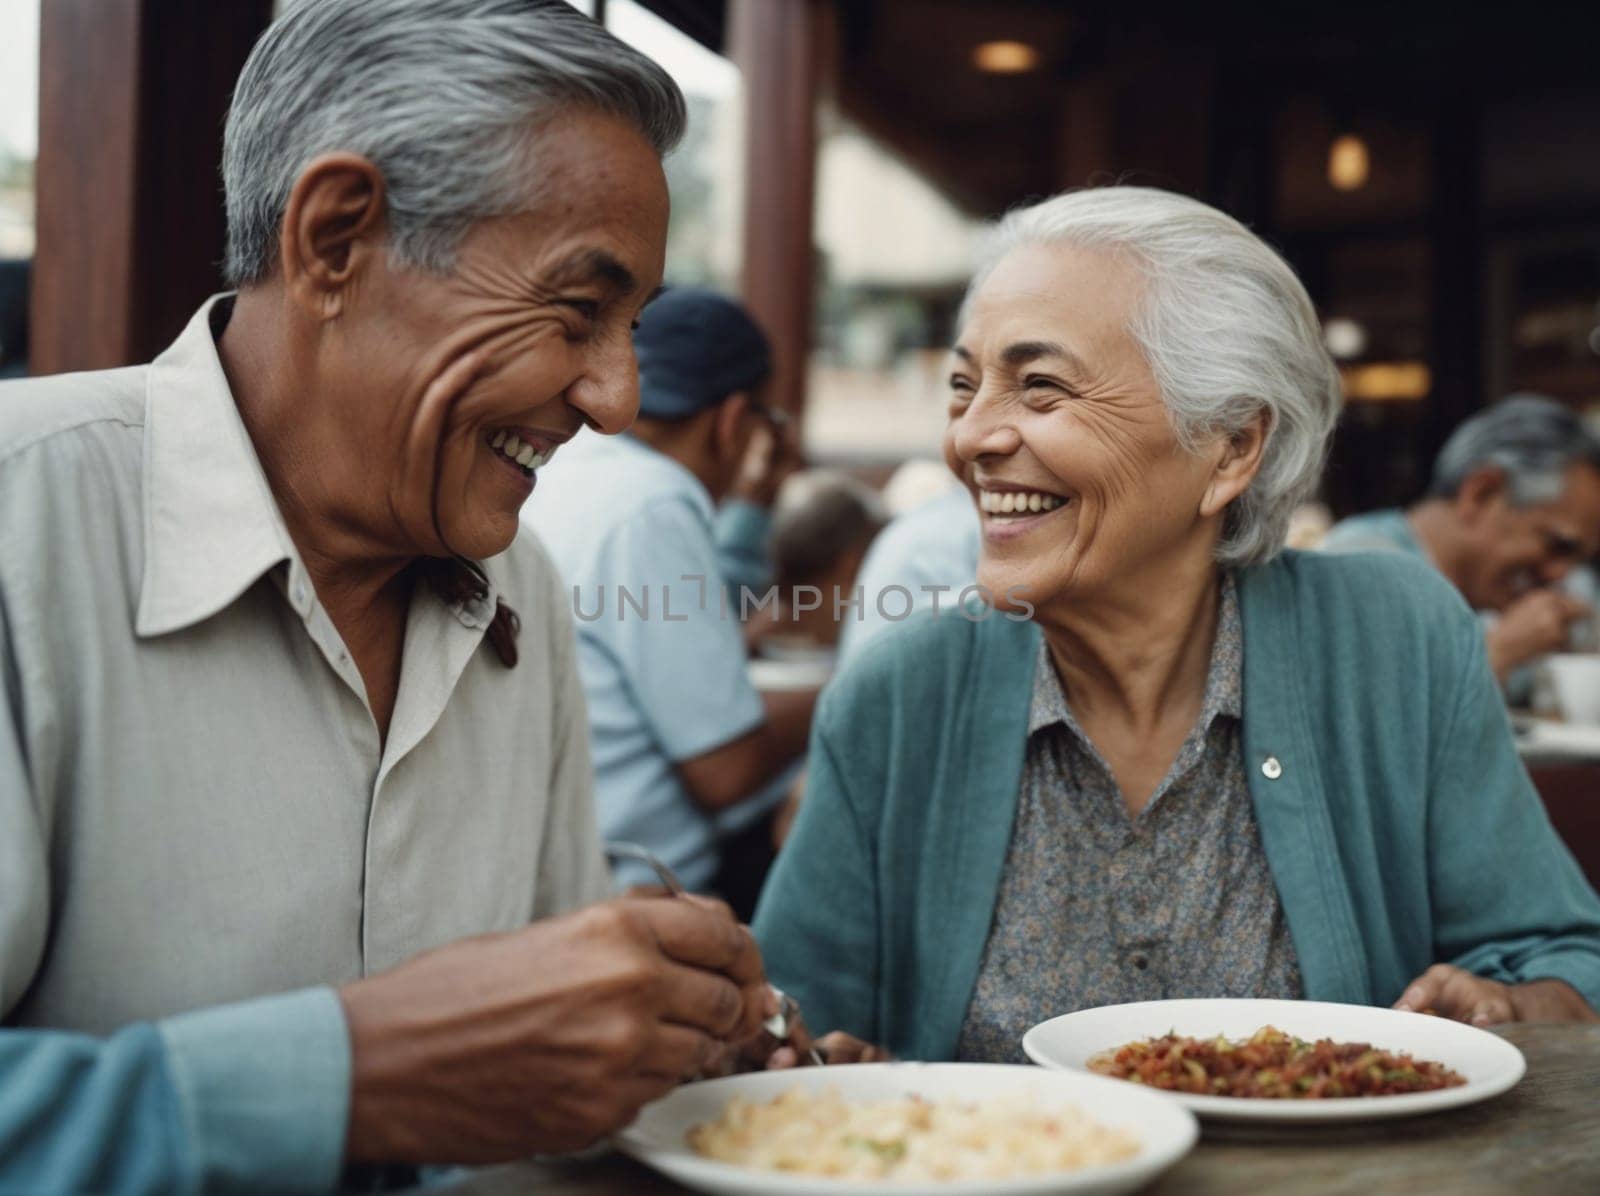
(85, 178)
(130, 226)
(777, 45)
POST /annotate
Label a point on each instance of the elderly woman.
(1205, 766)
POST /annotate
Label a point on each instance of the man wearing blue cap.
(683, 743)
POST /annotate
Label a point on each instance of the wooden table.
(1542, 1137)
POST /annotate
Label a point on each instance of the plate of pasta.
(1282, 1061)
(915, 1129)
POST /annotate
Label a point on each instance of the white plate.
(1166, 1132)
(1490, 1063)
(772, 676)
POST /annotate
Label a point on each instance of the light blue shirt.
(246, 1097)
(659, 645)
(930, 553)
(1376, 531)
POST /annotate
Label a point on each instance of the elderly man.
(1514, 505)
(285, 714)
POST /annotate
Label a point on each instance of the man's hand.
(771, 456)
(1454, 993)
(1534, 624)
(547, 1038)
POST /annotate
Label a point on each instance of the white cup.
(1576, 680)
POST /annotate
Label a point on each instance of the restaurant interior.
(1434, 181)
(1432, 174)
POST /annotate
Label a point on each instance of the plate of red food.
(1283, 1061)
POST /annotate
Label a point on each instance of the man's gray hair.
(1531, 438)
(441, 95)
(1227, 330)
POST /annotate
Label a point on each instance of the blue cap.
(695, 348)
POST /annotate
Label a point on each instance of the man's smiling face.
(474, 379)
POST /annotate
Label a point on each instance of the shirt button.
(1271, 769)
(1140, 961)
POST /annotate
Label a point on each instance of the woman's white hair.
(1227, 329)
(441, 95)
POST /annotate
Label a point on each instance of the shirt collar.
(212, 528)
(1224, 675)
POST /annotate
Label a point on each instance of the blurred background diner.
(1435, 183)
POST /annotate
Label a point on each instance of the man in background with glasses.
(1513, 507)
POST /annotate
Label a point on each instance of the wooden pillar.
(130, 226)
(777, 46)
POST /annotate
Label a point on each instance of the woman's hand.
(1455, 993)
(834, 1048)
(763, 1052)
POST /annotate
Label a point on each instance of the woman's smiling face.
(1059, 429)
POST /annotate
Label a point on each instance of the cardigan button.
(1271, 769)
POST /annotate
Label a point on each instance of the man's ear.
(1481, 490)
(334, 228)
(1238, 461)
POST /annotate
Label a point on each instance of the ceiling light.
(1344, 338)
(1348, 163)
(1401, 380)
(1005, 58)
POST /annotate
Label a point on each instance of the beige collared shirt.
(195, 806)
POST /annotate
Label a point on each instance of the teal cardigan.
(1399, 824)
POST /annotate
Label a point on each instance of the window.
(894, 256)
(706, 173)
(19, 123)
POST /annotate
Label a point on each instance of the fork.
(781, 1024)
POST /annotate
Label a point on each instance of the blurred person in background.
(823, 528)
(743, 525)
(298, 856)
(1513, 508)
(921, 559)
(684, 745)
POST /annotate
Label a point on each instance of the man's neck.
(1434, 526)
(684, 443)
(271, 378)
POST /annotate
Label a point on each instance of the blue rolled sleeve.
(251, 1097)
